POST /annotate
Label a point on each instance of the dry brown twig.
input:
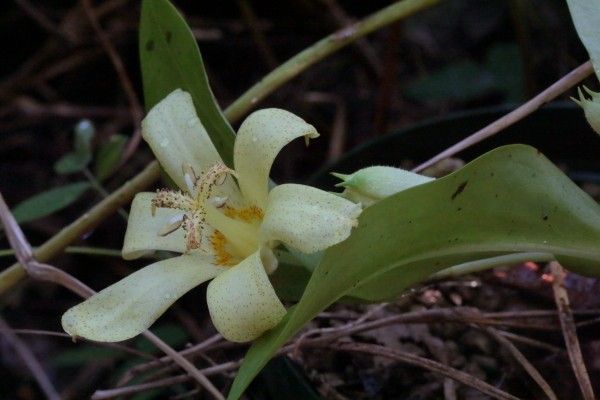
(49, 273)
(30, 361)
(516, 353)
(133, 389)
(338, 127)
(191, 351)
(42, 19)
(331, 334)
(115, 346)
(569, 331)
(425, 363)
(136, 110)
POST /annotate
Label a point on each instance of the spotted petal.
(241, 301)
(177, 137)
(130, 306)
(142, 235)
(308, 219)
(260, 138)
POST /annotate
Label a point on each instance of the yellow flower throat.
(232, 232)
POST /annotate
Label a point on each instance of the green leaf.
(503, 60)
(81, 155)
(511, 199)
(108, 157)
(173, 335)
(170, 59)
(281, 375)
(586, 17)
(49, 202)
(83, 355)
(460, 81)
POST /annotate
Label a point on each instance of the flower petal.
(308, 219)
(260, 138)
(142, 235)
(177, 137)
(241, 301)
(130, 306)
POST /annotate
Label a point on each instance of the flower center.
(231, 232)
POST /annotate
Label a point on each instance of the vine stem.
(87, 250)
(88, 221)
(69, 234)
(324, 47)
(49, 273)
(487, 263)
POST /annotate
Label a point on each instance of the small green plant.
(227, 223)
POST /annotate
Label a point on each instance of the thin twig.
(362, 45)
(251, 20)
(318, 51)
(279, 76)
(30, 361)
(338, 127)
(531, 370)
(99, 188)
(86, 250)
(74, 231)
(529, 341)
(189, 352)
(42, 19)
(331, 334)
(133, 389)
(137, 112)
(421, 362)
(567, 323)
(115, 346)
(49, 273)
(553, 91)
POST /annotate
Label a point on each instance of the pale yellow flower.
(224, 228)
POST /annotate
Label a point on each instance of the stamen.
(215, 175)
(165, 198)
(172, 225)
(218, 201)
(192, 224)
(190, 179)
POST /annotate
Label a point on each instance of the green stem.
(301, 61)
(91, 251)
(291, 68)
(88, 221)
(487, 263)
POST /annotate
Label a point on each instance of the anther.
(172, 225)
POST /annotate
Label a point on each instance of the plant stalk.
(88, 221)
(318, 51)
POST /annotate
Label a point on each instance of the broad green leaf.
(509, 200)
(173, 335)
(586, 17)
(170, 59)
(81, 155)
(84, 355)
(49, 202)
(289, 281)
(108, 157)
(503, 60)
(460, 81)
(282, 375)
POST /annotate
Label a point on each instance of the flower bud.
(591, 107)
(371, 184)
